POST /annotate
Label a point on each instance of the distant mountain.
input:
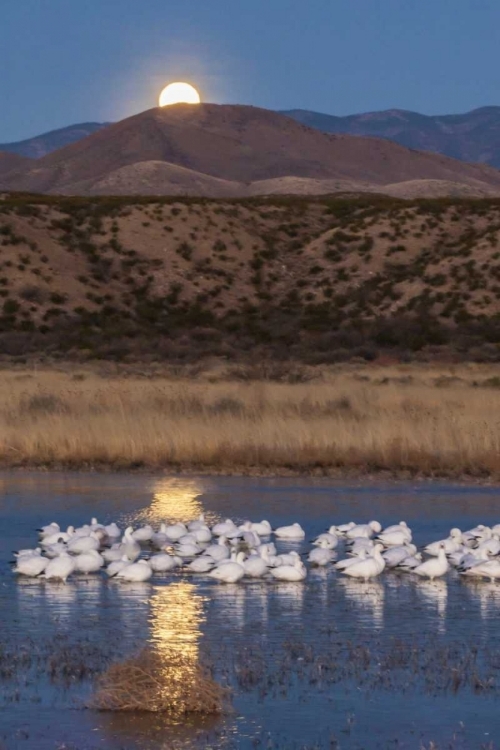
(472, 137)
(228, 150)
(41, 145)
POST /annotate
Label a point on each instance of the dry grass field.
(405, 420)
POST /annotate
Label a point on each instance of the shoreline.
(279, 472)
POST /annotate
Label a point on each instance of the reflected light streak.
(176, 617)
(175, 499)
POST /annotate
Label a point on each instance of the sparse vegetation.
(318, 280)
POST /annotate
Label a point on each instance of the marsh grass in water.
(407, 420)
(153, 682)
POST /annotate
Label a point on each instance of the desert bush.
(171, 685)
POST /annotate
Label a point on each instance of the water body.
(329, 663)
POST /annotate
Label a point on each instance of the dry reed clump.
(173, 686)
(401, 421)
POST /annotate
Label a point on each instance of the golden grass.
(430, 421)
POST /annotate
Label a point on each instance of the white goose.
(137, 571)
(88, 562)
(255, 566)
(219, 551)
(292, 532)
(30, 565)
(224, 528)
(144, 534)
(394, 556)
(367, 530)
(434, 568)
(296, 572)
(327, 540)
(58, 536)
(129, 546)
(197, 524)
(117, 565)
(262, 528)
(229, 571)
(321, 556)
(49, 529)
(369, 568)
(348, 561)
(202, 564)
(163, 563)
(79, 544)
(452, 544)
(60, 568)
(176, 531)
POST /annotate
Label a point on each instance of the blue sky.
(67, 61)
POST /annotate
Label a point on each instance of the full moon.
(179, 93)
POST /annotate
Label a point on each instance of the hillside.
(44, 144)
(8, 162)
(317, 280)
(471, 137)
(225, 151)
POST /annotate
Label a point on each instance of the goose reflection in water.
(487, 595)
(230, 601)
(368, 599)
(289, 597)
(61, 599)
(435, 594)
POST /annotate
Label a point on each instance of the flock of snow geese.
(228, 552)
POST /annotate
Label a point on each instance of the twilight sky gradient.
(68, 61)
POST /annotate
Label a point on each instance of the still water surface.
(330, 663)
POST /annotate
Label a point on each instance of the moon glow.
(179, 93)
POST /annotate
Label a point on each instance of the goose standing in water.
(434, 568)
(88, 562)
(321, 556)
(369, 568)
(348, 561)
(117, 565)
(31, 565)
(229, 571)
(255, 566)
(163, 563)
(60, 568)
(296, 572)
(137, 571)
(203, 564)
(79, 544)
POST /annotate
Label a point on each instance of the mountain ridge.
(472, 136)
(239, 145)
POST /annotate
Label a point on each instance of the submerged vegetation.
(403, 420)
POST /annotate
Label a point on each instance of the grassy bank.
(404, 419)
